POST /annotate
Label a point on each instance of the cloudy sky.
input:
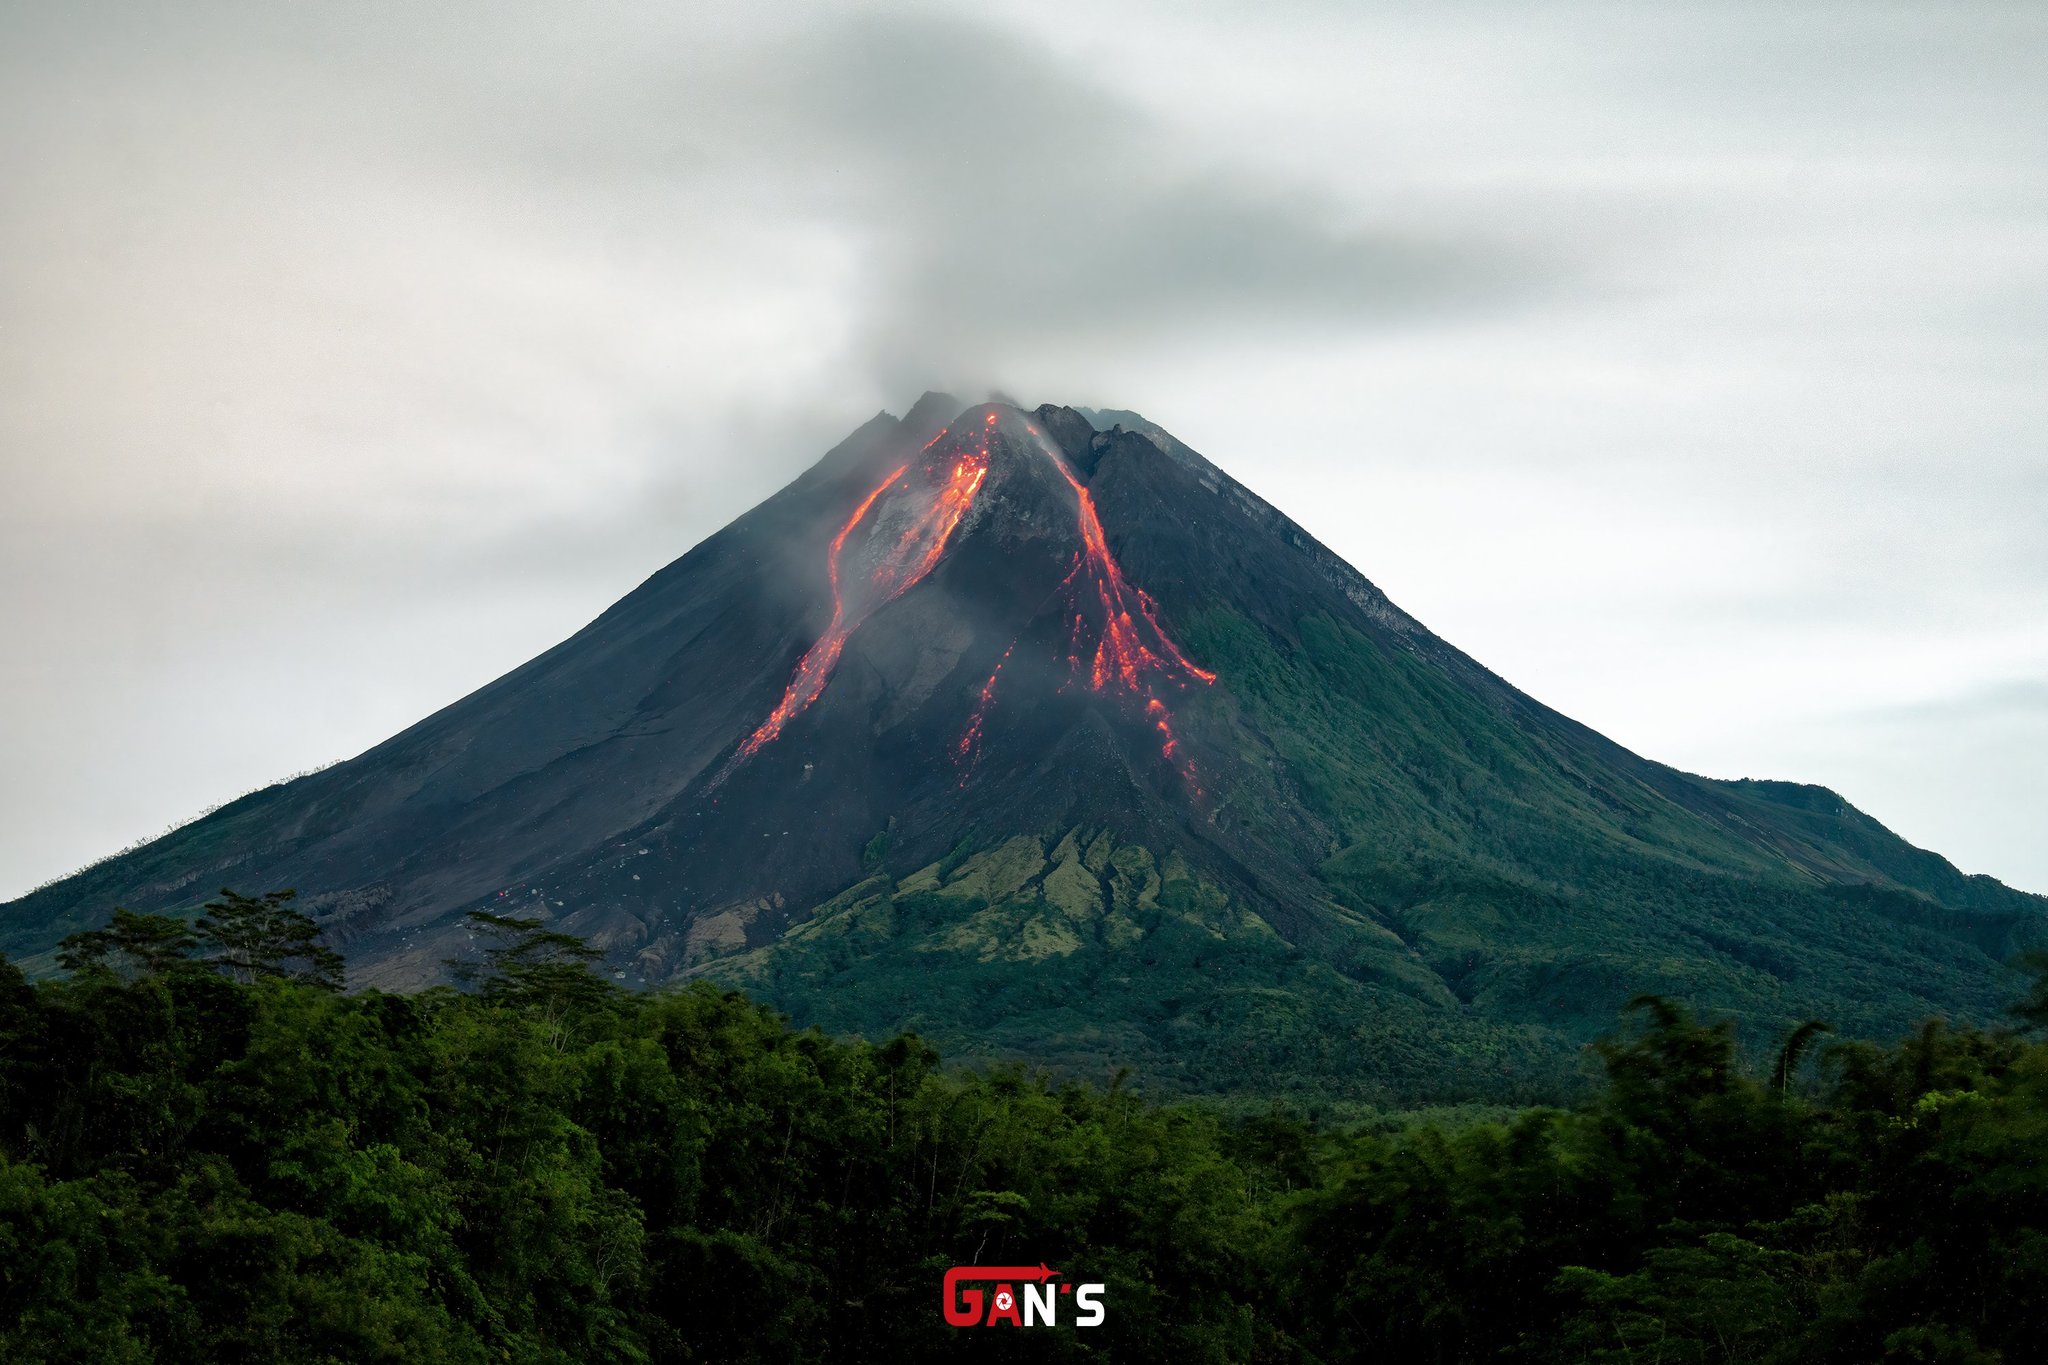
(1684, 363)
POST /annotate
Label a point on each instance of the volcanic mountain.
(1038, 733)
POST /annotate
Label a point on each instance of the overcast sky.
(1683, 363)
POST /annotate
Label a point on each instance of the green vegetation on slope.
(1087, 956)
(1544, 876)
(1403, 882)
(1426, 891)
(207, 1153)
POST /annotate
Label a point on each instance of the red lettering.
(963, 1306)
(1003, 1307)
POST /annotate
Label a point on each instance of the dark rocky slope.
(1096, 759)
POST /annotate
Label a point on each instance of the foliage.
(533, 965)
(1396, 856)
(1464, 891)
(254, 939)
(131, 945)
(202, 1159)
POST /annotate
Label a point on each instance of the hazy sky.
(1684, 363)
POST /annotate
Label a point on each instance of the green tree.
(537, 969)
(1794, 1051)
(204, 1164)
(131, 946)
(266, 939)
(2033, 1008)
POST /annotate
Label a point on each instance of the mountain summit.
(1037, 732)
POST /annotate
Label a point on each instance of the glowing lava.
(896, 535)
(1130, 654)
(929, 517)
(969, 747)
(1120, 649)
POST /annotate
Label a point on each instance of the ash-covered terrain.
(1036, 732)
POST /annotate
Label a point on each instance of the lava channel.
(930, 503)
(1127, 654)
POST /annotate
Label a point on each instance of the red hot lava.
(1121, 648)
(929, 515)
(1130, 653)
(1115, 642)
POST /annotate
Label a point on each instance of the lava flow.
(928, 523)
(1120, 649)
(1131, 655)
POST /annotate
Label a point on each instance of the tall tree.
(1794, 1051)
(266, 939)
(534, 966)
(131, 946)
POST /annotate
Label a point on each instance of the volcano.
(1037, 733)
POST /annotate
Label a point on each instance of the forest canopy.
(210, 1152)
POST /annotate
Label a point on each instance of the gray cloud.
(1015, 203)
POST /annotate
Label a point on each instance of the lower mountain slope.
(1039, 733)
(1480, 915)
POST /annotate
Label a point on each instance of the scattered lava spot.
(969, 747)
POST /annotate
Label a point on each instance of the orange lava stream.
(1120, 648)
(909, 558)
(1122, 660)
